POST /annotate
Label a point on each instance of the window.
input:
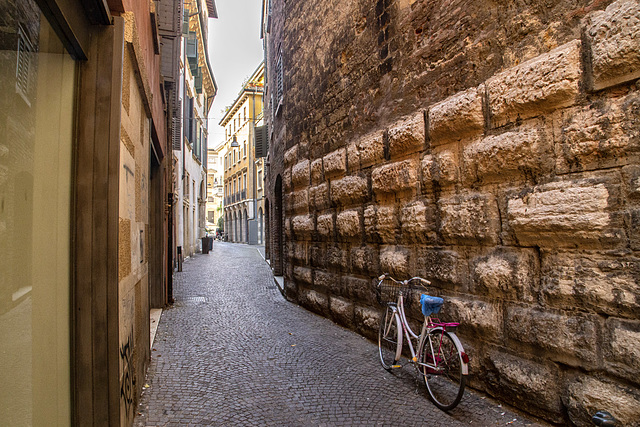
(245, 114)
(259, 180)
(244, 181)
(279, 77)
(244, 150)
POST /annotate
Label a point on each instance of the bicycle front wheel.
(389, 337)
(443, 376)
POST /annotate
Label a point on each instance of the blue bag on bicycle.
(430, 305)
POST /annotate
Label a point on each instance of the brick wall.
(490, 148)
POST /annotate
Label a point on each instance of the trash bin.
(207, 244)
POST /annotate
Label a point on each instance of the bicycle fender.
(456, 340)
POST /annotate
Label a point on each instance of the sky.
(235, 51)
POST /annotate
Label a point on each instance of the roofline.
(241, 96)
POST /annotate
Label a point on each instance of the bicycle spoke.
(445, 382)
(388, 337)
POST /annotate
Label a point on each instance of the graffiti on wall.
(126, 379)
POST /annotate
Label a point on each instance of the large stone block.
(591, 281)
(483, 318)
(622, 348)
(302, 275)
(601, 135)
(506, 274)
(568, 338)
(565, 214)
(317, 175)
(286, 180)
(515, 379)
(313, 300)
(587, 395)
(327, 281)
(441, 167)
(544, 83)
(349, 190)
(302, 225)
(324, 224)
(291, 156)
(520, 154)
(407, 135)
(459, 116)
(417, 222)
(348, 224)
(614, 38)
(469, 219)
(342, 311)
(319, 196)
(299, 201)
(335, 163)
(300, 174)
(395, 261)
(358, 289)
(440, 266)
(337, 258)
(395, 177)
(298, 251)
(365, 259)
(369, 150)
(367, 320)
(386, 224)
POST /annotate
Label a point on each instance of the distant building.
(196, 93)
(243, 166)
(215, 189)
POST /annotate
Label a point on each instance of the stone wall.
(491, 148)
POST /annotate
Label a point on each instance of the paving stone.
(233, 351)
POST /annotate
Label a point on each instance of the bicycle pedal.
(396, 366)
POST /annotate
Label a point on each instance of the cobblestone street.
(233, 351)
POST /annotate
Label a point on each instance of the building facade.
(491, 148)
(243, 171)
(215, 191)
(196, 93)
(84, 156)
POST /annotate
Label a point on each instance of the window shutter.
(261, 141)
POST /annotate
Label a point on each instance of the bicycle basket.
(388, 290)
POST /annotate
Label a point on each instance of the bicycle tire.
(389, 337)
(445, 384)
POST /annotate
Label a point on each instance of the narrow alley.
(233, 351)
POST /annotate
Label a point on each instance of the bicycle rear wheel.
(446, 381)
(388, 337)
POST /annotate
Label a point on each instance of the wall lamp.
(234, 143)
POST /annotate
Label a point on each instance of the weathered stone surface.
(407, 135)
(317, 176)
(370, 150)
(326, 280)
(413, 218)
(506, 274)
(319, 196)
(291, 156)
(587, 395)
(335, 163)
(299, 201)
(515, 380)
(370, 223)
(481, 317)
(358, 289)
(298, 251)
(395, 177)
(364, 259)
(459, 116)
(324, 225)
(349, 190)
(302, 225)
(286, 180)
(570, 338)
(592, 281)
(348, 224)
(336, 257)
(544, 83)
(300, 174)
(287, 228)
(522, 153)
(302, 274)
(313, 300)
(622, 347)
(469, 219)
(598, 136)
(563, 214)
(438, 265)
(367, 320)
(342, 311)
(614, 36)
(394, 260)
(386, 224)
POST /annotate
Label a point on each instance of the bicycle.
(440, 357)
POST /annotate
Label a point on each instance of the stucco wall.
(492, 148)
